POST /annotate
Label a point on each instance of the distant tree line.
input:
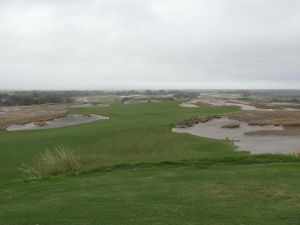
(33, 98)
(13, 98)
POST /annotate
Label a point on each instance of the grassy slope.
(217, 192)
(134, 133)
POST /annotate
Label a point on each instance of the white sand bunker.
(188, 105)
(220, 102)
(90, 105)
(254, 144)
(69, 120)
(135, 101)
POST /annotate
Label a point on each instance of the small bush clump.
(58, 161)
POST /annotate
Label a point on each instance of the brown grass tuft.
(195, 120)
(261, 118)
(231, 125)
(55, 162)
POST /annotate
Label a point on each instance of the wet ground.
(60, 122)
(254, 144)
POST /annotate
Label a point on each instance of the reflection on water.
(254, 144)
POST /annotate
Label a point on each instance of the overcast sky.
(96, 44)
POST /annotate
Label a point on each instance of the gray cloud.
(149, 44)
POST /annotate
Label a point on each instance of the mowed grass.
(135, 133)
(218, 195)
(137, 172)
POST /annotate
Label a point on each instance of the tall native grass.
(296, 154)
(59, 160)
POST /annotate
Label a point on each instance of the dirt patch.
(37, 114)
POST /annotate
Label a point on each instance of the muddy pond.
(254, 144)
(68, 120)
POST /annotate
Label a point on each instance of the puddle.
(69, 120)
(254, 144)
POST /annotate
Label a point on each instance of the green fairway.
(136, 171)
(135, 133)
